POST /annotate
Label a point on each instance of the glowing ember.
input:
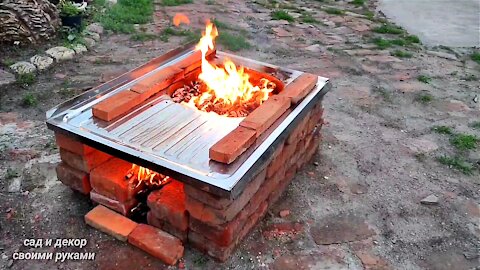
(138, 175)
(226, 90)
(180, 18)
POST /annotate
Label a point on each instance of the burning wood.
(138, 175)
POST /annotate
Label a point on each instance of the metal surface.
(172, 138)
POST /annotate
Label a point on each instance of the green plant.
(143, 36)
(464, 141)
(221, 25)
(26, 79)
(457, 163)
(334, 11)
(402, 54)
(122, 16)
(443, 130)
(210, 2)
(307, 18)
(370, 15)
(412, 39)
(424, 79)
(29, 100)
(358, 2)
(282, 15)
(476, 57)
(233, 42)
(68, 9)
(475, 125)
(11, 173)
(382, 43)
(424, 98)
(176, 2)
(389, 29)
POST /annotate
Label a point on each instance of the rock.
(471, 255)
(93, 35)
(315, 163)
(421, 145)
(443, 55)
(95, 28)
(61, 53)
(15, 185)
(6, 78)
(430, 200)
(337, 229)
(10, 263)
(41, 61)
(457, 106)
(280, 32)
(383, 58)
(79, 48)
(23, 67)
(89, 42)
(284, 213)
(278, 22)
(314, 48)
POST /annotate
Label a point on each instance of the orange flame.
(145, 175)
(180, 18)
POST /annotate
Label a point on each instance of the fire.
(138, 174)
(180, 18)
(228, 88)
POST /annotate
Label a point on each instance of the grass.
(475, 125)
(424, 98)
(476, 57)
(233, 42)
(125, 14)
(11, 173)
(307, 18)
(188, 34)
(282, 15)
(221, 25)
(413, 39)
(464, 141)
(382, 43)
(358, 2)
(389, 29)
(210, 2)
(370, 15)
(334, 11)
(424, 79)
(29, 100)
(457, 163)
(171, 3)
(443, 130)
(143, 36)
(26, 79)
(402, 54)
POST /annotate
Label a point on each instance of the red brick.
(223, 253)
(120, 207)
(207, 198)
(165, 226)
(279, 162)
(214, 216)
(300, 131)
(73, 178)
(233, 145)
(86, 162)
(116, 105)
(110, 222)
(282, 185)
(168, 204)
(265, 115)
(72, 145)
(193, 61)
(109, 180)
(157, 82)
(157, 243)
(300, 87)
(276, 161)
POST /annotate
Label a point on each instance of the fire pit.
(163, 142)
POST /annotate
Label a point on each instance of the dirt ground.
(357, 206)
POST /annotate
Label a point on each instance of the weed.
(221, 25)
(476, 57)
(26, 79)
(399, 42)
(424, 79)
(8, 62)
(307, 18)
(383, 93)
(282, 15)
(424, 98)
(233, 42)
(176, 2)
(464, 141)
(11, 173)
(388, 29)
(402, 54)
(443, 130)
(143, 36)
(210, 2)
(358, 2)
(370, 15)
(122, 16)
(475, 125)
(412, 39)
(421, 156)
(334, 11)
(29, 100)
(457, 163)
(382, 43)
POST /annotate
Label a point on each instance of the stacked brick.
(216, 225)
(78, 161)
